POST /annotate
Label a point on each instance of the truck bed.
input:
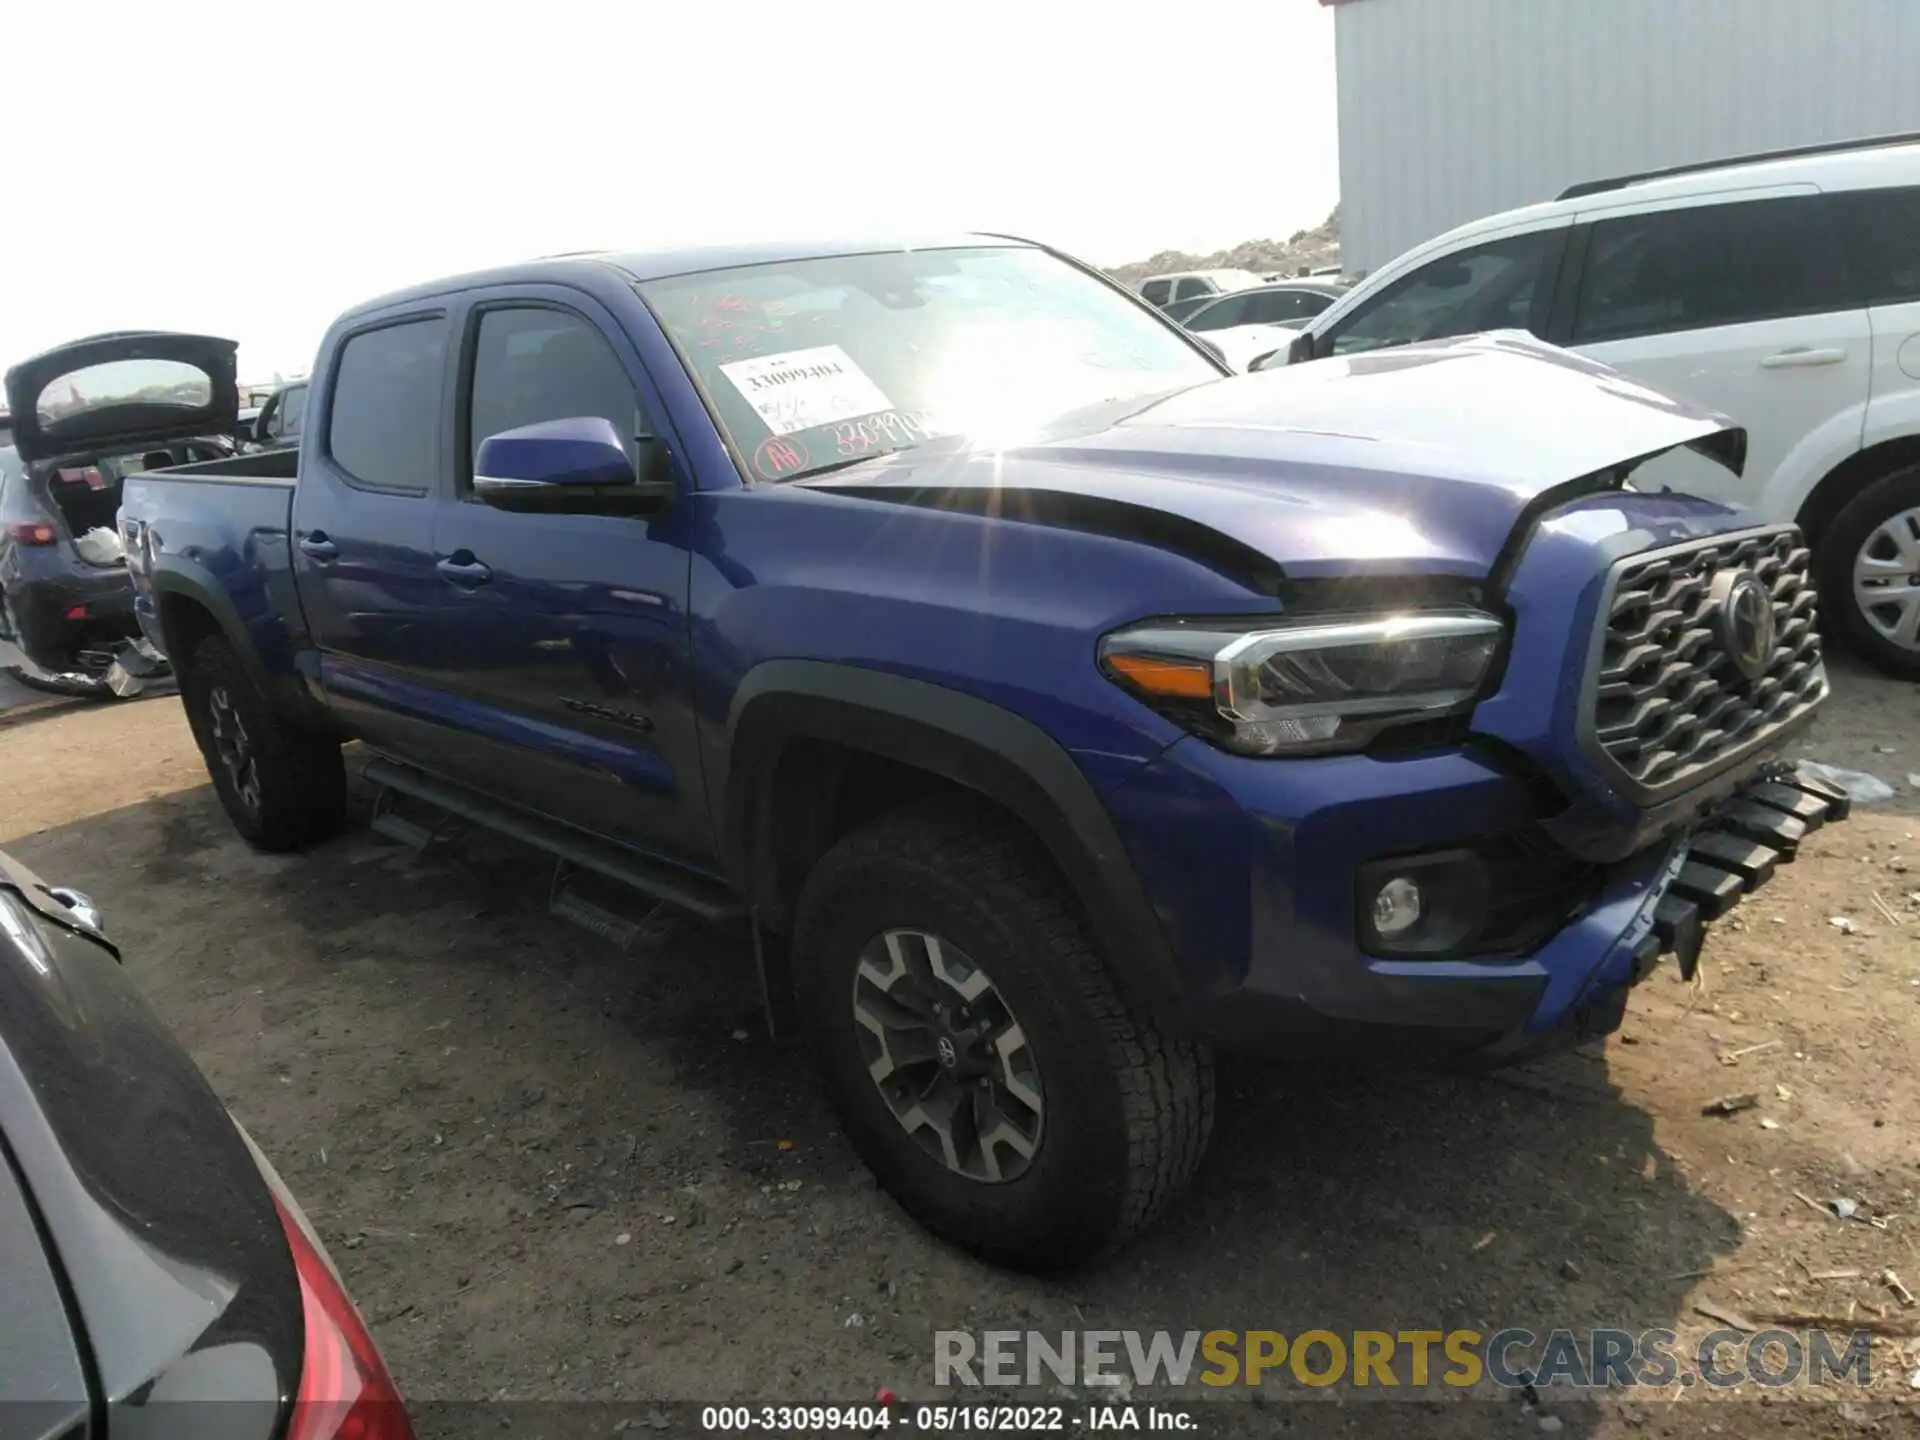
(265, 467)
(222, 528)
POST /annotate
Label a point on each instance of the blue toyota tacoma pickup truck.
(1057, 709)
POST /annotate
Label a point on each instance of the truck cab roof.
(639, 266)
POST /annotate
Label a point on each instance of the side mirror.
(1301, 348)
(577, 464)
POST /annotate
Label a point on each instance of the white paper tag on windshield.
(804, 388)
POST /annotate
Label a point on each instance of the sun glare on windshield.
(815, 364)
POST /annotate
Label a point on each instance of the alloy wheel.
(233, 747)
(948, 1056)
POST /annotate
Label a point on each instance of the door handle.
(1796, 357)
(464, 573)
(316, 544)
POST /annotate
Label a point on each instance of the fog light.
(1396, 908)
(1427, 905)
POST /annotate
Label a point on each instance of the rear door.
(123, 391)
(564, 640)
(363, 524)
(1746, 306)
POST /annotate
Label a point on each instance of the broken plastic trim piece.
(135, 663)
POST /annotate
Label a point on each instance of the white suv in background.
(1782, 290)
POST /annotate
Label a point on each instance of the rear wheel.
(990, 1069)
(281, 786)
(1869, 572)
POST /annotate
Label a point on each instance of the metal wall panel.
(1454, 109)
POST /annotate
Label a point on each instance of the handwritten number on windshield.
(885, 431)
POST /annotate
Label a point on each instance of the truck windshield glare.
(811, 363)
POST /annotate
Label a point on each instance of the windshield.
(811, 364)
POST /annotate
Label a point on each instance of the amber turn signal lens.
(1183, 680)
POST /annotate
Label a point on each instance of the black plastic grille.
(1669, 702)
(1534, 888)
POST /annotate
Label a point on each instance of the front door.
(563, 640)
(1745, 308)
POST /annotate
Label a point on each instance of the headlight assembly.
(1316, 686)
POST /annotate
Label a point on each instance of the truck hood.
(121, 391)
(1421, 459)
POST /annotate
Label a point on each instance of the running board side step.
(655, 879)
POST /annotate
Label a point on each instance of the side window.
(1192, 288)
(385, 414)
(293, 404)
(1157, 292)
(531, 365)
(1287, 307)
(1220, 315)
(1883, 224)
(1488, 287)
(1709, 265)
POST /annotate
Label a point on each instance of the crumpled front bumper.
(1252, 869)
(1735, 850)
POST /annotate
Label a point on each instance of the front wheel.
(1869, 572)
(989, 1068)
(281, 786)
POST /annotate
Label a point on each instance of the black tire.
(1128, 1108)
(297, 787)
(1848, 531)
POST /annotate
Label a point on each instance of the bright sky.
(248, 170)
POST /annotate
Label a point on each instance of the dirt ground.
(552, 1171)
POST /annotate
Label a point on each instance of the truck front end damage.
(1471, 821)
(1497, 881)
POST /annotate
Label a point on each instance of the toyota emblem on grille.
(1743, 621)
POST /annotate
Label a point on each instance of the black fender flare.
(971, 742)
(183, 579)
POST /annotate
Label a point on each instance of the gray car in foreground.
(158, 1280)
